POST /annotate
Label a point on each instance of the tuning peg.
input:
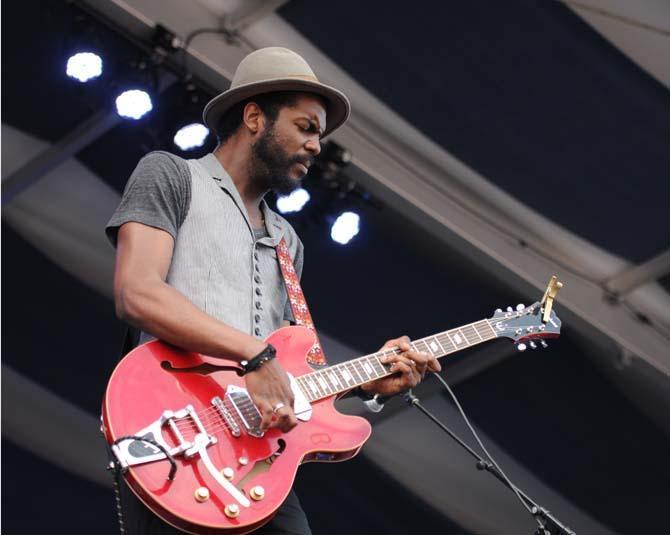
(510, 309)
(520, 307)
(543, 344)
(521, 347)
(532, 345)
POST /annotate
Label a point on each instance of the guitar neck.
(352, 373)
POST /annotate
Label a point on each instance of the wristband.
(253, 364)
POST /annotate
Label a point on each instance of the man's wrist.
(254, 363)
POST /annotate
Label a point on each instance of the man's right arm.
(145, 300)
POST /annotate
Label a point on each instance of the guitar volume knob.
(228, 472)
(257, 493)
(201, 494)
(232, 510)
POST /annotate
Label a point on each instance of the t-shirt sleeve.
(298, 261)
(158, 194)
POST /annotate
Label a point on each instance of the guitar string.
(358, 363)
(214, 427)
(214, 419)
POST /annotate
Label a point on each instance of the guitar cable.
(481, 464)
(115, 468)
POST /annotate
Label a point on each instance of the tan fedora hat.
(276, 69)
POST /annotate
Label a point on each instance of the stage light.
(191, 136)
(346, 226)
(133, 104)
(293, 202)
(84, 66)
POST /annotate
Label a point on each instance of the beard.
(271, 164)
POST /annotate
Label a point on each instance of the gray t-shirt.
(159, 194)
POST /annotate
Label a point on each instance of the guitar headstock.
(525, 325)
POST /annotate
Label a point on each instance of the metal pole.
(631, 278)
(84, 134)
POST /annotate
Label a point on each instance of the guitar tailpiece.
(173, 464)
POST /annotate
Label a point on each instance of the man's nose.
(313, 145)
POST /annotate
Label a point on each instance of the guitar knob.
(232, 510)
(521, 347)
(532, 345)
(201, 494)
(543, 343)
(510, 309)
(228, 472)
(520, 307)
(498, 311)
(257, 493)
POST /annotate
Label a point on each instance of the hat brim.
(338, 107)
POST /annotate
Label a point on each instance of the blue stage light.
(191, 136)
(84, 66)
(346, 226)
(293, 202)
(133, 104)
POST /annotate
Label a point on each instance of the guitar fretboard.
(350, 374)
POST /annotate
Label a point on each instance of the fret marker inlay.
(434, 347)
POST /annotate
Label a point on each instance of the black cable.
(232, 36)
(190, 37)
(488, 455)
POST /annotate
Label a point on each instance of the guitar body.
(156, 377)
(231, 478)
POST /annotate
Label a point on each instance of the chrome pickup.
(245, 413)
(245, 410)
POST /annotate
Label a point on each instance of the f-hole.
(262, 465)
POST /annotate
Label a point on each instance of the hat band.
(306, 77)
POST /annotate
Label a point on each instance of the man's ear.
(253, 118)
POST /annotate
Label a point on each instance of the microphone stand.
(548, 523)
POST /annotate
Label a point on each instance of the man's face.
(285, 150)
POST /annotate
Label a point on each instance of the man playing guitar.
(196, 243)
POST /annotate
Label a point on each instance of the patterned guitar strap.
(299, 307)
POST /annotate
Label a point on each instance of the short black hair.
(269, 103)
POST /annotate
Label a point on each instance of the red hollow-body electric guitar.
(230, 476)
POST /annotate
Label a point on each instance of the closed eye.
(310, 127)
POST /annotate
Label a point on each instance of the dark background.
(523, 92)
